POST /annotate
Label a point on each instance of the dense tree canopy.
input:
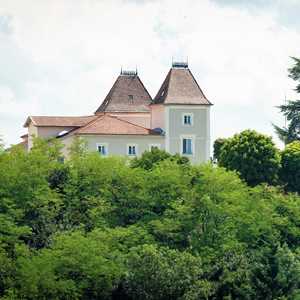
(290, 171)
(103, 228)
(253, 155)
(218, 144)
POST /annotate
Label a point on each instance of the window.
(102, 149)
(152, 146)
(130, 99)
(187, 146)
(131, 149)
(187, 119)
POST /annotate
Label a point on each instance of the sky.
(61, 57)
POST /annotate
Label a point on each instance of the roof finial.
(121, 70)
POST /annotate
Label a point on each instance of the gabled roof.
(180, 87)
(45, 121)
(110, 125)
(128, 94)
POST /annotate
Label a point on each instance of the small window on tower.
(187, 119)
(130, 98)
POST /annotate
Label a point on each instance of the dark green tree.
(290, 170)
(218, 144)
(291, 133)
(161, 273)
(253, 155)
(291, 110)
(294, 72)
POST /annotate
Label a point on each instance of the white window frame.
(158, 146)
(191, 115)
(136, 150)
(102, 145)
(193, 138)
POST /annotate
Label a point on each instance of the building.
(129, 121)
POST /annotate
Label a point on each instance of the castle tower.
(181, 109)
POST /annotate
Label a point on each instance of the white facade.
(177, 120)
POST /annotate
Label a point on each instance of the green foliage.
(161, 273)
(218, 144)
(290, 171)
(103, 228)
(1, 144)
(150, 158)
(78, 148)
(253, 155)
(294, 72)
(291, 110)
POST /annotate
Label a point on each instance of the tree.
(1, 144)
(218, 144)
(161, 273)
(75, 267)
(78, 147)
(150, 158)
(98, 228)
(290, 170)
(291, 110)
(294, 72)
(253, 155)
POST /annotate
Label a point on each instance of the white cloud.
(72, 53)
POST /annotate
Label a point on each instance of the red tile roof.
(180, 87)
(111, 125)
(44, 121)
(128, 94)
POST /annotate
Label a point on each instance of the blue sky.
(61, 58)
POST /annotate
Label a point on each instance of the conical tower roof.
(128, 94)
(180, 87)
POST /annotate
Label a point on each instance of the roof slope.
(44, 121)
(128, 94)
(110, 125)
(180, 87)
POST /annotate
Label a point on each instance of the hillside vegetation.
(153, 228)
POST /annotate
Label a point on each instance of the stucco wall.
(48, 132)
(199, 131)
(117, 145)
(157, 116)
(43, 132)
(32, 132)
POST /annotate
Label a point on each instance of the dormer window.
(187, 119)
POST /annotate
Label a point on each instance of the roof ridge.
(198, 86)
(117, 98)
(73, 131)
(164, 86)
(180, 87)
(107, 97)
(144, 87)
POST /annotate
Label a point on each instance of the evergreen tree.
(291, 110)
